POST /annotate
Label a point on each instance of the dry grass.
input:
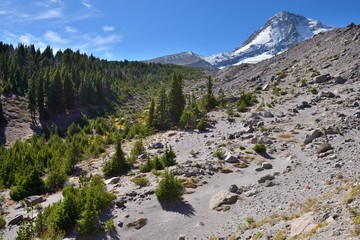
(189, 183)
(286, 137)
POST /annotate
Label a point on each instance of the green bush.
(117, 164)
(220, 154)
(169, 189)
(245, 100)
(259, 148)
(201, 126)
(2, 223)
(140, 181)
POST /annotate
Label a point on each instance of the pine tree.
(169, 188)
(176, 99)
(210, 101)
(56, 102)
(69, 98)
(31, 96)
(162, 113)
(40, 96)
(88, 224)
(117, 164)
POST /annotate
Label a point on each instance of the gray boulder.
(322, 78)
(32, 200)
(266, 165)
(233, 188)
(222, 198)
(324, 148)
(266, 178)
(340, 80)
(231, 159)
(113, 180)
(312, 135)
(268, 114)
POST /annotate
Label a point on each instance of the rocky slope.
(306, 185)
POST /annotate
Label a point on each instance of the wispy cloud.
(54, 37)
(71, 29)
(113, 38)
(52, 13)
(86, 4)
(27, 38)
(108, 28)
(2, 12)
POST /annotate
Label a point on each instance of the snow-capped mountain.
(279, 33)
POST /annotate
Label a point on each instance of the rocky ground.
(306, 185)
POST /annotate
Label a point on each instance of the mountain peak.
(279, 33)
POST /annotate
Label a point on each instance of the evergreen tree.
(168, 158)
(151, 118)
(169, 188)
(176, 99)
(162, 113)
(31, 96)
(88, 224)
(56, 102)
(117, 164)
(40, 98)
(210, 101)
(69, 98)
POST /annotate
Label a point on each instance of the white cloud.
(108, 28)
(2, 12)
(109, 55)
(86, 4)
(54, 37)
(52, 13)
(71, 29)
(27, 38)
(107, 40)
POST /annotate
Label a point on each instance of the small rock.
(355, 104)
(266, 165)
(340, 80)
(312, 135)
(322, 78)
(265, 178)
(120, 203)
(138, 223)
(181, 237)
(113, 180)
(337, 165)
(120, 223)
(268, 114)
(269, 183)
(231, 159)
(324, 148)
(259, 169)
(251, 192)
(34, 200)
(239, 191)
(233, 188)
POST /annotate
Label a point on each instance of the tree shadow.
(266, 155)
(182, 207)
(2, 134)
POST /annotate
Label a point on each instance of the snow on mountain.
(279, 33)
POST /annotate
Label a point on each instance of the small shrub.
(220, 154)
(259, 148)
(169, 189)
(281, 75)
(314, 90)
(140, 181)
(201, 126)
(280, 235)
(109, 225)
(2, 223)
(242, 147)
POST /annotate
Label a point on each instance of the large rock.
(324, 148)
(18, 218)
(266, 165)
(222, 198)
(312, 135)
(322, 78)
(138, 223)
(231, 159)
(268, 114)
(266, 178)
(113, 180)
(32, 200)
(340, 80)
(233, 188)
(302, 225)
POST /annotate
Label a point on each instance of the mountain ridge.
(279, 33)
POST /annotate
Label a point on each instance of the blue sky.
(144, 29)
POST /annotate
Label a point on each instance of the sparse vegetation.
(259, 148)
(169, 189)
(140, 181)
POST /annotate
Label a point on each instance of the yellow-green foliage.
(280, 235)
(140, 181)
(257, 235)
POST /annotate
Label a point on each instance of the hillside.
(278, 158)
